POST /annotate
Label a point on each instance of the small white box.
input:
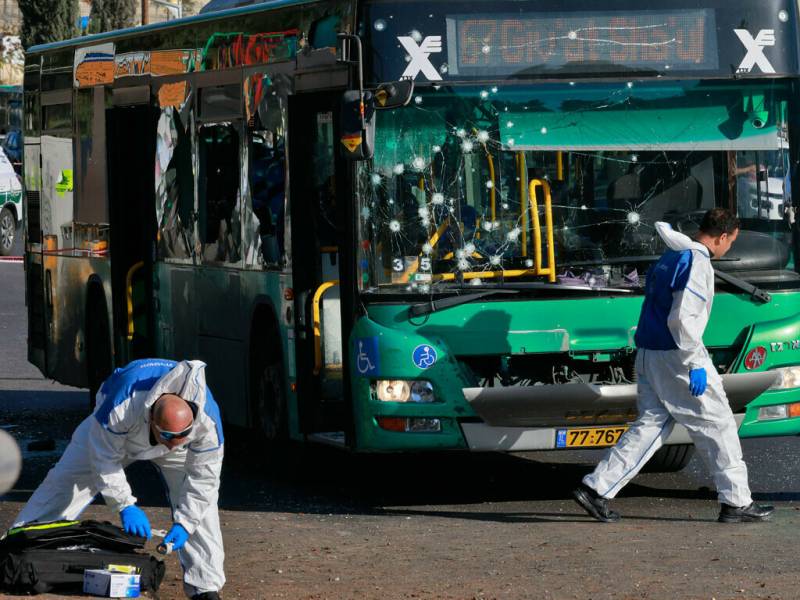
(102, 582)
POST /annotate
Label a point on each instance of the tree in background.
(45, 21)
(107, 15)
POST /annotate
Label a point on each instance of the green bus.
(399, 225)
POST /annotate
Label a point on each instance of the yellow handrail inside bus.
(433, 240)
(522, 173)
(510, 273)
(129, 293)
(493, 189)
(560, 165)
(550, 270)
(317, 324)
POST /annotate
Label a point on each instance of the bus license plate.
(589, 437)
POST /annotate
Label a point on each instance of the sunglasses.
(168, 436)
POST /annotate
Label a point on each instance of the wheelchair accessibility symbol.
(424, 356)
(367, 356)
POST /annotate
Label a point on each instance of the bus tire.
(670, 459)
(8, 230)
(270, 419)
(99, 361)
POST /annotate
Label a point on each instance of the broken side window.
(218, 181)
(174, 187)
(266, 175)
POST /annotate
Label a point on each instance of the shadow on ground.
(324, 480)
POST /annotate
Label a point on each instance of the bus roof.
(131, 31)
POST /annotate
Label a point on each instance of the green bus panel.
(491, 328)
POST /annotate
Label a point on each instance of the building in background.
(12, 60)
(10, 17)
(160, 10)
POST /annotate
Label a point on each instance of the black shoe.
(207, 596)
(751, 512)
(595, 505)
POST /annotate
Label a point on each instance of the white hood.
(675, 240)
(187, 380)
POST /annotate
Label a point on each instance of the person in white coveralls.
(677, 381)
(161, 411)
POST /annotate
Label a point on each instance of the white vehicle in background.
(765, 203)
(10, 205)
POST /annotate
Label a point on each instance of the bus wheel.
(269, 398)
(99, 362)
(8, 229)
(669, 459)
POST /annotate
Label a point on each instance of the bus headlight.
(789, 378)
(770, 413)
(779, 411)
(422, 391)
(393, 390)
(402, 390)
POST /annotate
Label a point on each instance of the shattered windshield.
(465, 181)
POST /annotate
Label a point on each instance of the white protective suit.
(117, 434)
(670, 344)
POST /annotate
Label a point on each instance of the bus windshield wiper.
(426, 308)
(617, 260)
(621, 260)
(756, 293)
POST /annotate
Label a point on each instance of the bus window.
(219, 192)
(324, 178)
(57, 117)
(267, 191)
(91, 203)
(220, 102)
(456, 166)
(265, 213)
(762, 190)
(174, 187)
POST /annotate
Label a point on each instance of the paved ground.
(325, 524)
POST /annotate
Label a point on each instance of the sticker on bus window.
(367, 356)
(424, 356)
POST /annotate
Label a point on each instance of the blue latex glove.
(177, 536)
(135, 522)
(697, 381)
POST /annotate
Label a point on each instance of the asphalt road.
(326, 524)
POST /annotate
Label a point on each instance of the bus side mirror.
(357, 123)
(394, 94)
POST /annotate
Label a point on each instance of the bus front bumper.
(481, 437)
(543, 405)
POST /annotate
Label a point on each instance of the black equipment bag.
(42, 557)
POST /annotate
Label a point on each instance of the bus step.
(329, 438)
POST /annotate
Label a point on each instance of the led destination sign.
(491, 44)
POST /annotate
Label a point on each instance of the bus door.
(131, 134)
(318, 209)
(219, 281)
